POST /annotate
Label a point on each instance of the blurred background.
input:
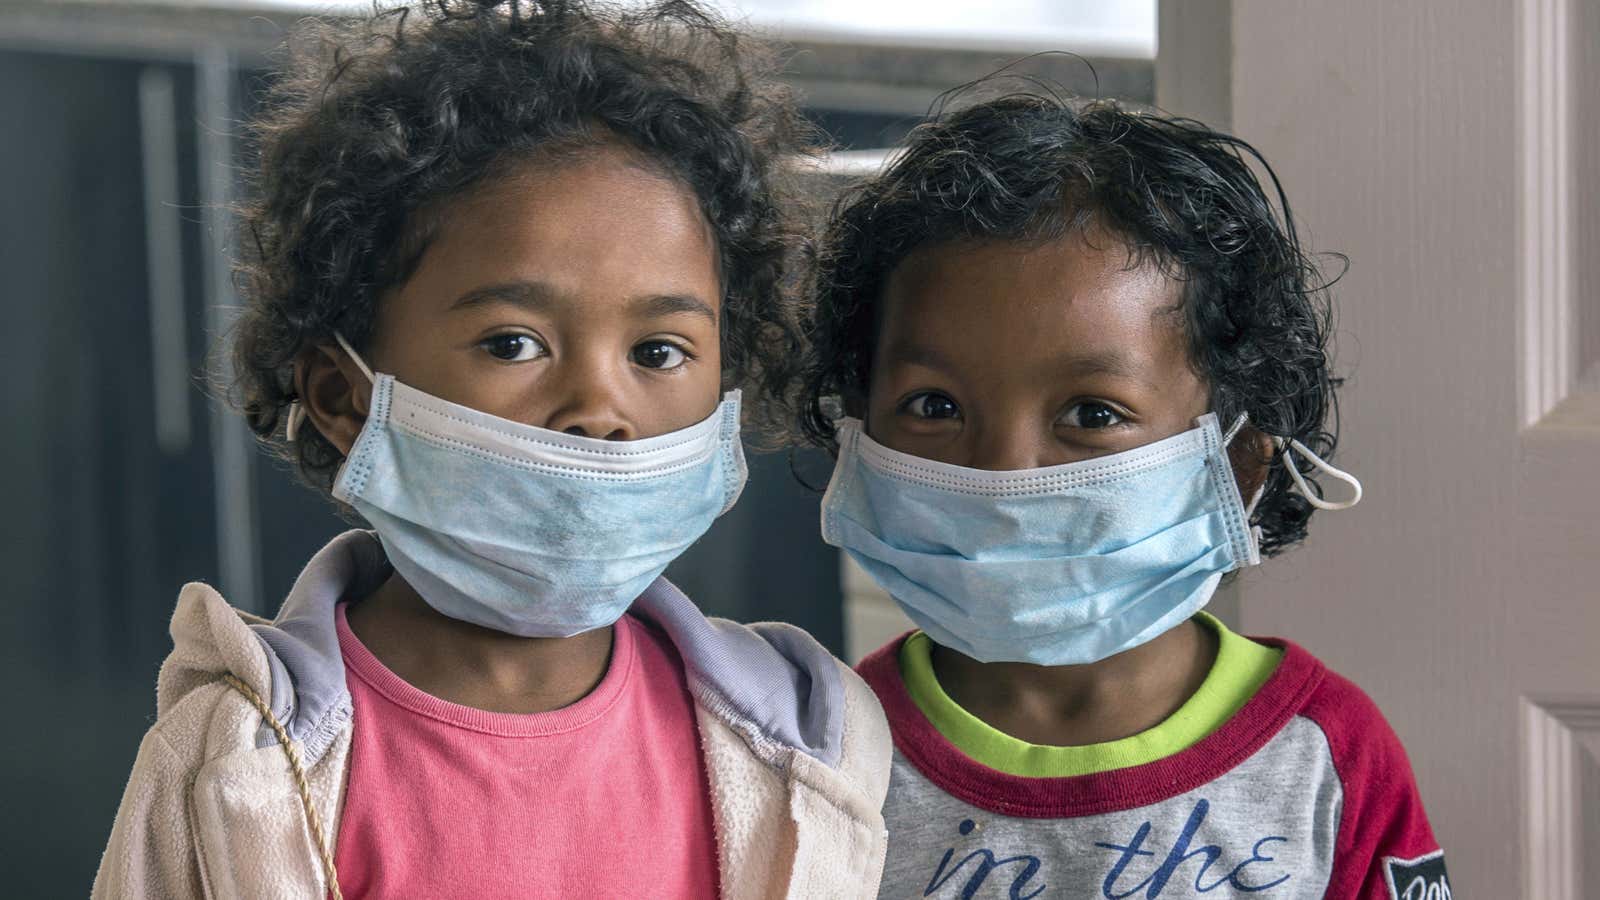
(1451, 153)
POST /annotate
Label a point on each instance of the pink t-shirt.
(604, 798)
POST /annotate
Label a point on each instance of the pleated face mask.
(1063, 565)
(526, 530)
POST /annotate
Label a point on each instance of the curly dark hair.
(387, 115)
(1032, 167)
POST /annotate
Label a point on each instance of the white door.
(1453, 152)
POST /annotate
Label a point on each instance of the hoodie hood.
(774, 682)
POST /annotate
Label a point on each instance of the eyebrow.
(1109, 362)
(532, 295)
(537, 296)
(660, 305)
(910, 353)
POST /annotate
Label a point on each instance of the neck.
(1089, 704)
(474, 666)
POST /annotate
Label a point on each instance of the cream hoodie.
(795, 745)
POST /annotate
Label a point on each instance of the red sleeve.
(1385, 849)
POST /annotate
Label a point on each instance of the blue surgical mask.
(1063, 565)
(525, 530)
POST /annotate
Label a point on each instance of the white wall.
(1462, 594)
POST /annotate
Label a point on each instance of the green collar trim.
(1241, 668)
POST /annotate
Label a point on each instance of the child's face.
(1009, 355)
(582, 297)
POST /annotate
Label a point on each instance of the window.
(1107, 28)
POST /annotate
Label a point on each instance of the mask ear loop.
(1255, 500)
(1250, 509)
(291, 425)
(1290, 444)
(1234, 429)
(297, 410)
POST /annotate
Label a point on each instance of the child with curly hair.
(1083, 364)
(503, 261)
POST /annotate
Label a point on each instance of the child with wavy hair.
(503, 262)
(1082, 356)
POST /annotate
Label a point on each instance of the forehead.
(1033, 305)
(603, 225)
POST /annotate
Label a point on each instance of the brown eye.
(931, 405)
(1091, 414)
(513, 347)
(659, 355)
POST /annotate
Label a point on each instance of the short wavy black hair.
(376, 120)
(1034, 167)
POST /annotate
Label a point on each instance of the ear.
(854, 402)
(1250, 454)
(334, 393)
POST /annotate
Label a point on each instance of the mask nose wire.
(297, 410)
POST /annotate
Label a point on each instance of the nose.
(589, 406)
(597, 427)
(1006, 447)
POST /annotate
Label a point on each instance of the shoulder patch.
(1422, 878)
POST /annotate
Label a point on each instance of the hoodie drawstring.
(312, 819)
